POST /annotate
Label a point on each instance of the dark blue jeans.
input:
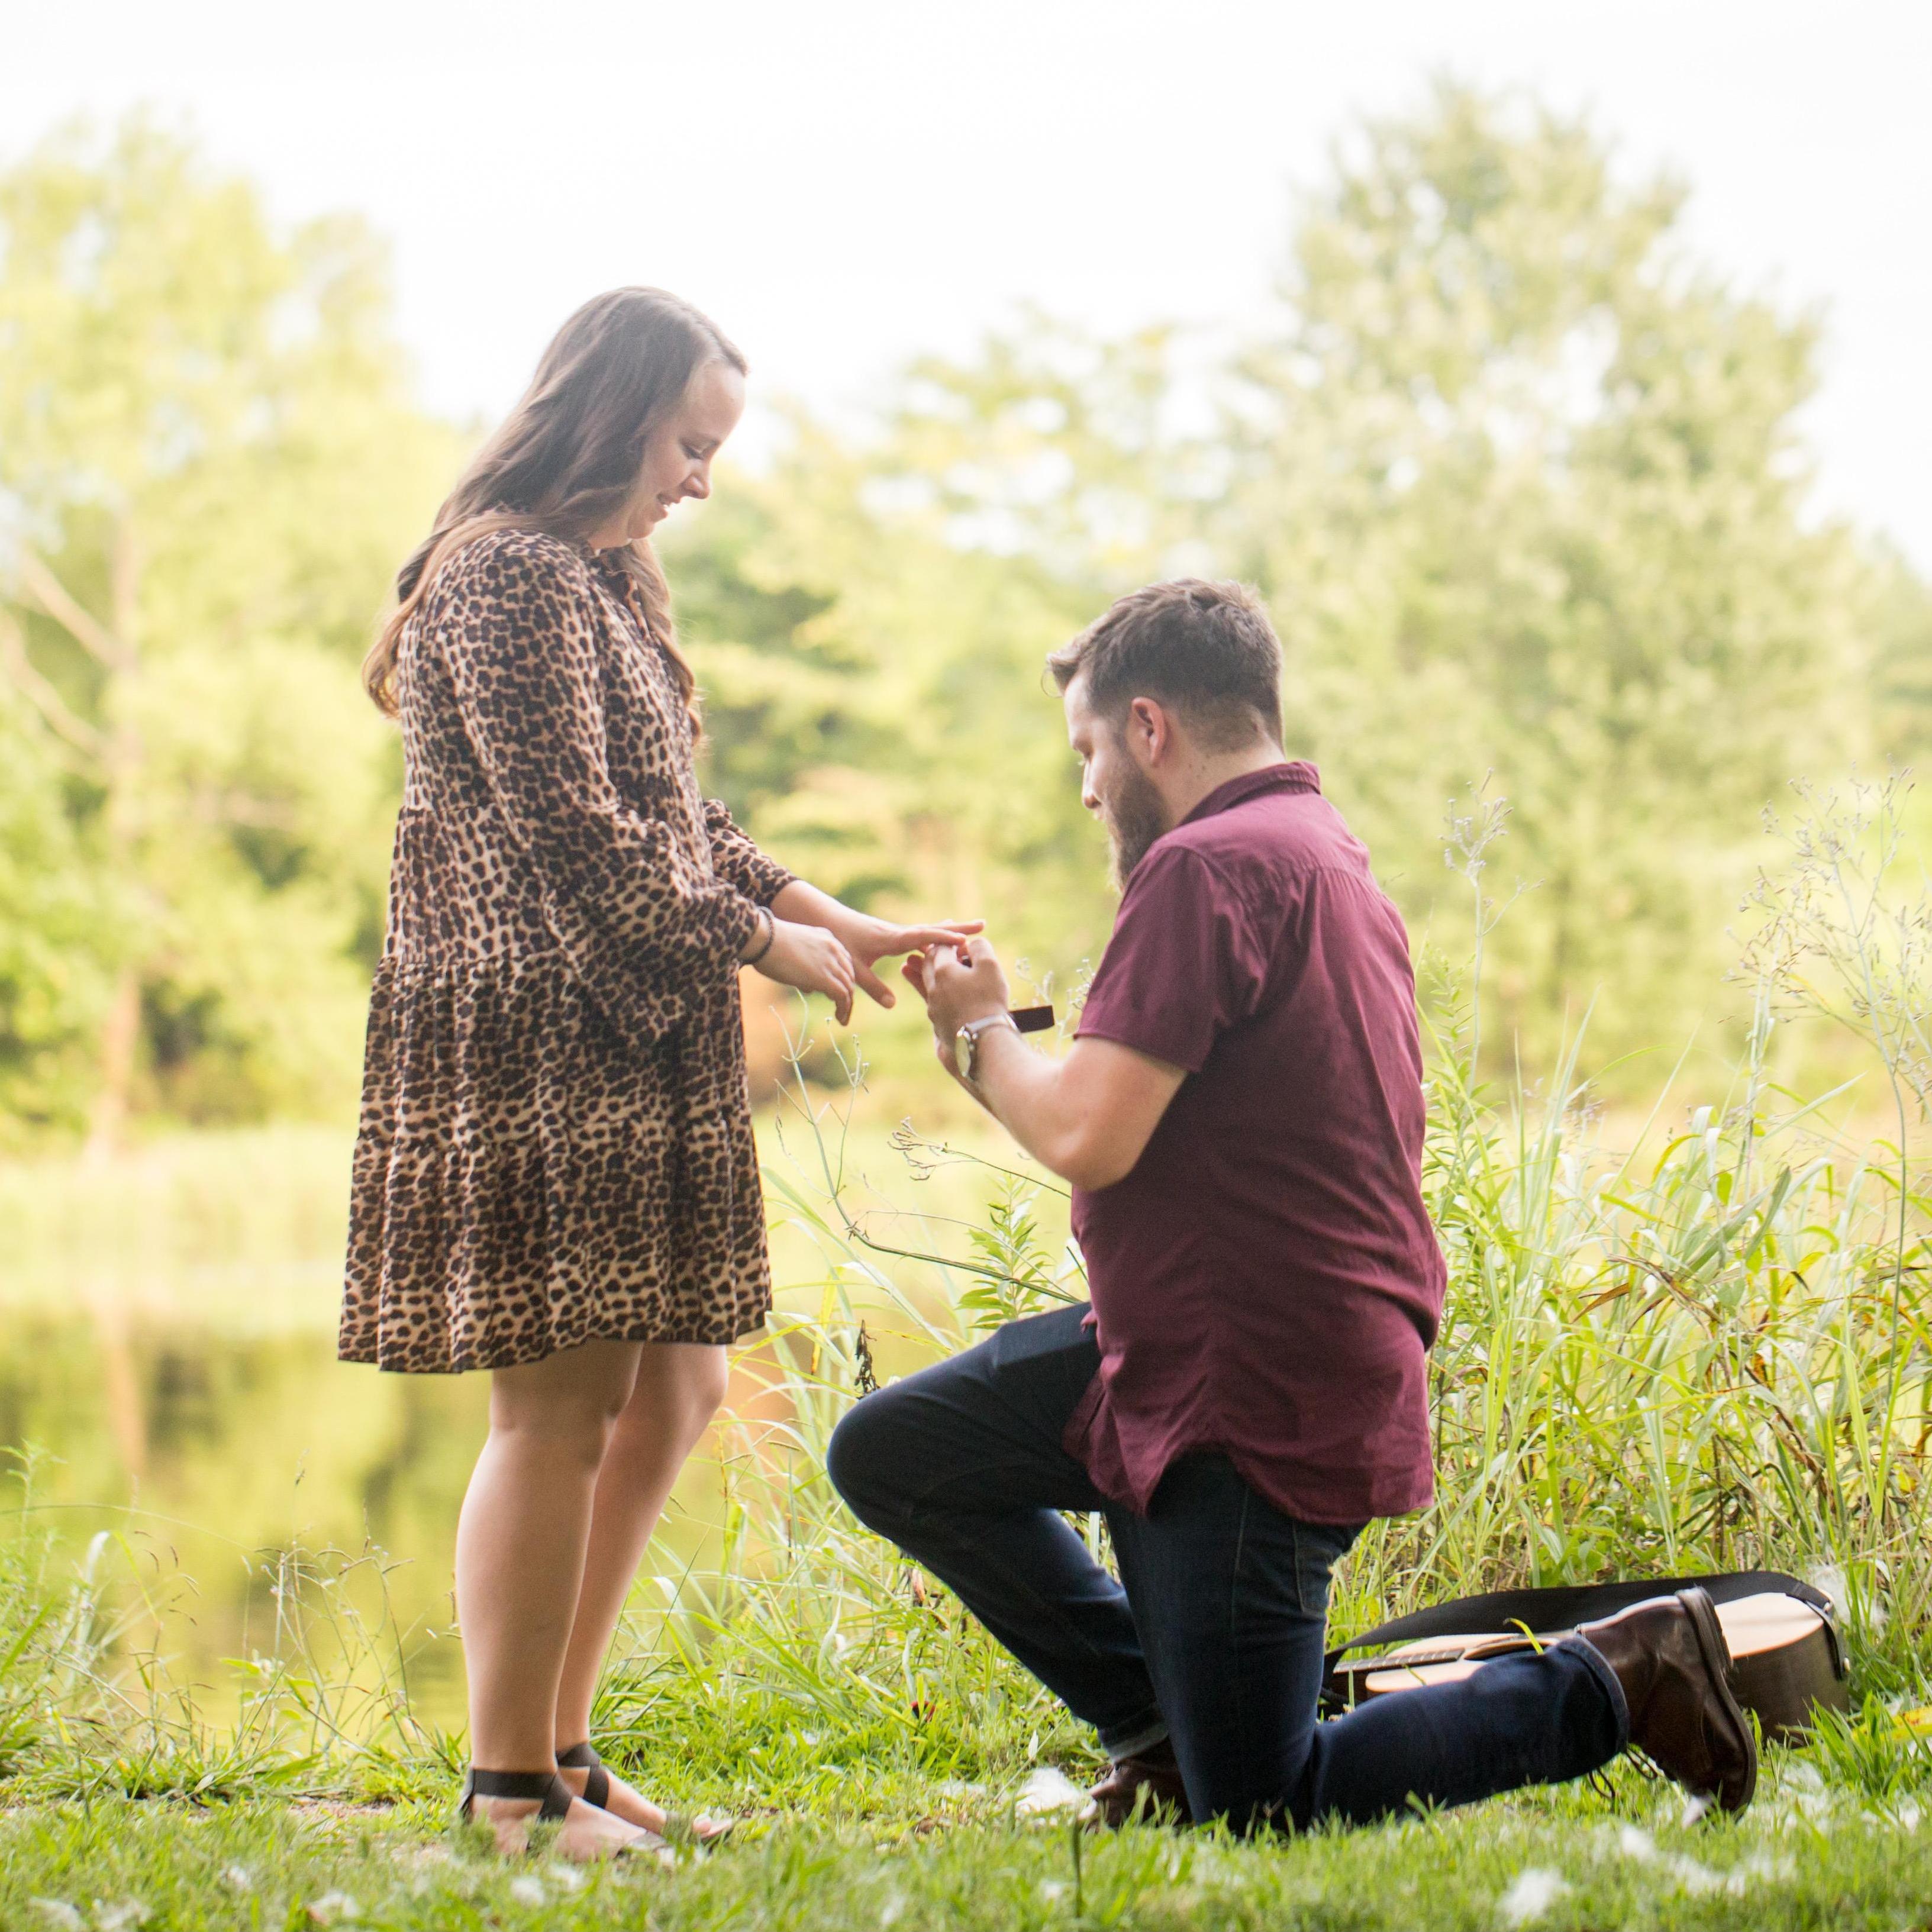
(1214, 1634)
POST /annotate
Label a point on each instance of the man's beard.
(1134, 817)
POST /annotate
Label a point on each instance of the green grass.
(967, 1860)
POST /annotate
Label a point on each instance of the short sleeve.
(1184, 963)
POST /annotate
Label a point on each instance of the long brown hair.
(566, 458)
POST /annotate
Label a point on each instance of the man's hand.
(1088, 1116)
(959, 981)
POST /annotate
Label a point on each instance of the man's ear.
(1150, 730)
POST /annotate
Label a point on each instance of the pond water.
(169, 1371)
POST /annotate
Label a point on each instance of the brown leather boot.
(1670, 1657)
(1153, 1771)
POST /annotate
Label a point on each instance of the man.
(1241, 1117)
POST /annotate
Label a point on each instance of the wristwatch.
(966, 1043)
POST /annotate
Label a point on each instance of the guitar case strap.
(1546, 1611)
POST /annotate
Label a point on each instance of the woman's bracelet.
(771, 933)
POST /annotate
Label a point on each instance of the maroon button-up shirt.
(1265, 1282)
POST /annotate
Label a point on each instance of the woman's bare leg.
(677, 1391)
(521, 1542)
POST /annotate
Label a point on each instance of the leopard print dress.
(556, 1137)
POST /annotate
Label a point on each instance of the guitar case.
(1787, 1658)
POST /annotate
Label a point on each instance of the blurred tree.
(1523, 484)
(1902, 692)
(56, 927)
(875, 699)
(1520, 479)
(208, 465)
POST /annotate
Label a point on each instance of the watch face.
(962, 1054)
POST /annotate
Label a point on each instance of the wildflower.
(238, 1878)
(1047, 1790)
(118, 1918)
(331, 1908)
(1636, 1844)
(1535, 1891)
(526, 1890)
(62, 1914)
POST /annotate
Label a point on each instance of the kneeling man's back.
(1265, 1282)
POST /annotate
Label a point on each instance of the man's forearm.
(1024, 1091)
(1088, 1115)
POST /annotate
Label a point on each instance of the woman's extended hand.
(812, 959)
(866, 940)
(869, 940)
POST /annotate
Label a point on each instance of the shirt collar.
(1296, 774)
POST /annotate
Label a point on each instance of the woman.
(555, 1177)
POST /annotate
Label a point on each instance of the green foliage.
(208, 467)
(1525, 492)
(56, 938)
(1521, 481)
(1519, 474)
(874, 700)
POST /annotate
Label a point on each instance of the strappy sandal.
(555, 1797)
(597, 1790)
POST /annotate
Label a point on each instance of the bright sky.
(846, 182)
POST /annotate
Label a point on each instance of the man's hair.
(1206, 649)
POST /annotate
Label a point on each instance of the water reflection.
(205, 1453)
(167, 1340)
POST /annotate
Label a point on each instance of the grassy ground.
(956, 1857)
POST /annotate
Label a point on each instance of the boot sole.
(1717, 1655)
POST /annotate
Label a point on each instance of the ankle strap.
(553, 1794)
(579, 1757)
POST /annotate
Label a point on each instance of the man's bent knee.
(869, 1457)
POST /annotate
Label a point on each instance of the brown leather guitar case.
(1787, 1660)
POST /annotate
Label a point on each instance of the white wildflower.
(1051, 1889)
(1757, 1870)
(118, 1918)
(566, 1878)
(62, 1914)
(239, 1878)
(527, 1889)
(1535, 1891)
(1636, 1844)
(1693, 1878)
(892, 1912)
(331, 1908)
(1049, 1789)
(958, 1787)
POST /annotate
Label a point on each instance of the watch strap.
(972, 1033)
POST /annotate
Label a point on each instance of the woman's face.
(677, 459)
